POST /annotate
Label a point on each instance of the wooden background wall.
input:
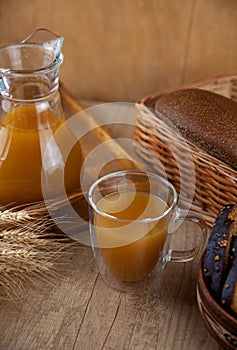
(124, 49)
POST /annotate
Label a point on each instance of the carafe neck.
(30, 70)
(30, 85)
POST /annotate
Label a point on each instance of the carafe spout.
(47, 39)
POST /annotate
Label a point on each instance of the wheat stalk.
(31, 247)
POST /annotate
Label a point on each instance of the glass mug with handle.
(132, 214)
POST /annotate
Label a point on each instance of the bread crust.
(229, 291)
(216, 260)
(207, 119)
(220, 259)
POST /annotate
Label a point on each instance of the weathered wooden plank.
(114, 50)
(123, 50)
(211, 48)
(81, 312)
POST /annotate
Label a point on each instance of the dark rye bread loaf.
(220, 259)
(205, 118)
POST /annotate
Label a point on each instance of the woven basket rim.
(195, 83)
(207, 158)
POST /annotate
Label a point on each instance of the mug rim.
(138, 172)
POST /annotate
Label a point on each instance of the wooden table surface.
(80, 312)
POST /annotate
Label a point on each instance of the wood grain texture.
(123, 50)
(211, 39)
(81, 312)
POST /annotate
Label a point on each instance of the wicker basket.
(216, 182)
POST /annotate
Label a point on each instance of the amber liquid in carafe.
(24, 135)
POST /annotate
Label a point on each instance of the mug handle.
(190, 254)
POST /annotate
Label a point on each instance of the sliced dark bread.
(216, 260)
(229, 292)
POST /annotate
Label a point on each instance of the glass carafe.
(31, 114)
